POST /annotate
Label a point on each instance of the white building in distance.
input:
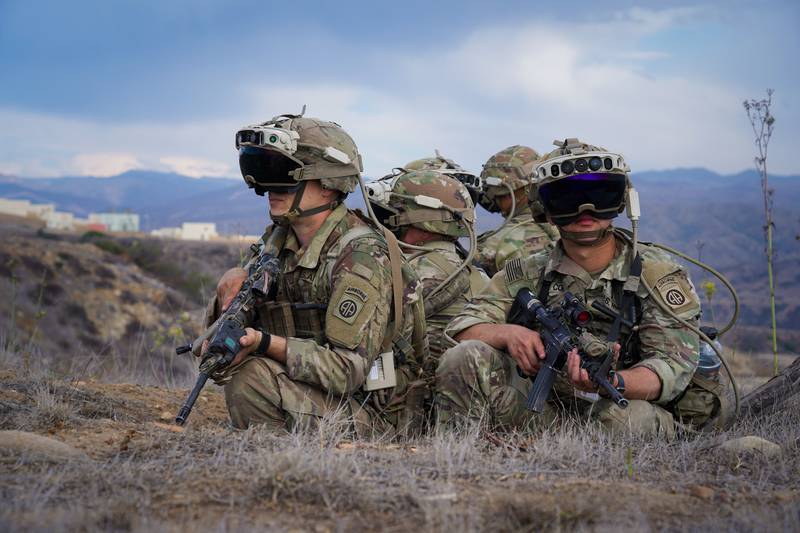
(167, 233)
(189, 231)
(198, 231)
(60, 220)
(116, 221)
(24, 208)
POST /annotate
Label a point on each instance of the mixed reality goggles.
(268, 170)
(600, 194)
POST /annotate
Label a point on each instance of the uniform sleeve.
(355, 323)
(523, 241)
(670, 349)
(490, 306)
(485, 257)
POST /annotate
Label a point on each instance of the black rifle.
(224, 334)
(554, 326)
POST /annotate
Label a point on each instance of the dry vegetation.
(130, 469)
(140, 473)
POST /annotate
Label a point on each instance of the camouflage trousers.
(260, 392)
(476, 381)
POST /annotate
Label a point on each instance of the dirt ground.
(140, 472)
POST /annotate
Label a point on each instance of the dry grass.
(145, 477)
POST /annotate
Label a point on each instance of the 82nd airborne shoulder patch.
(351, 304)
(676, 291)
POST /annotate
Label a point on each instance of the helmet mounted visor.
(600, 194)
(268, 169)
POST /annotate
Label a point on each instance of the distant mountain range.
(692, 209)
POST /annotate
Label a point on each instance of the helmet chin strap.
(586, 238)
(295, 212)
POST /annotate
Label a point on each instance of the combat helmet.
(578, 177)
(425, 199)
(447, 166)
(282, 154)
(505, 172)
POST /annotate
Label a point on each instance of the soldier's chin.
(590, 238)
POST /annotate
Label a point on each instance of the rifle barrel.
(189, 403)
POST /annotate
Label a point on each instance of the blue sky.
(106, 86)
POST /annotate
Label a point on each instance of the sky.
(101, 87)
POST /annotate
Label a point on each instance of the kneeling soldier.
(343, 325)
(650, 323)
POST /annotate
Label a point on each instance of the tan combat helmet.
(448, 167)
(505, 172)
(282, 154)
(425, 199)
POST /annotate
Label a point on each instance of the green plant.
(763, 122)
(709, 289)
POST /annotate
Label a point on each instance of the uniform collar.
(522, 210)
(618, 268)
(309, 258)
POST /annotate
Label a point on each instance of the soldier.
(430, 211)
(506, 177)
(343, 328)
(582, 188)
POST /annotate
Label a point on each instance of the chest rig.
(298, 302)
(625, 303)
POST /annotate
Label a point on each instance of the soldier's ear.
(330, 194)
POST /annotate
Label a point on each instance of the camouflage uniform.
(348, 305)
(433, 268)
(343, 285)
(438, 204)
(520, 236)
(474, 379)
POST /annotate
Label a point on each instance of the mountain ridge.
(718, 217)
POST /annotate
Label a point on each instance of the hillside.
(89, 385)
(96, 302)
(693, 210)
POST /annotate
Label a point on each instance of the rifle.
(224, 334)
(554, 327)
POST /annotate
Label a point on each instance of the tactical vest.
(626, 302)
(306, 320)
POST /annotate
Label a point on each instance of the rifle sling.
(395, 258)
(627, 302)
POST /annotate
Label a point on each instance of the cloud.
(104, 164)
(523, 83)
(195, 167)
(99, 148)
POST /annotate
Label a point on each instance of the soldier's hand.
(580, 376)
(577, 375)
(525, 346)
(249, 342)
(229, 285)
(203, 349)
